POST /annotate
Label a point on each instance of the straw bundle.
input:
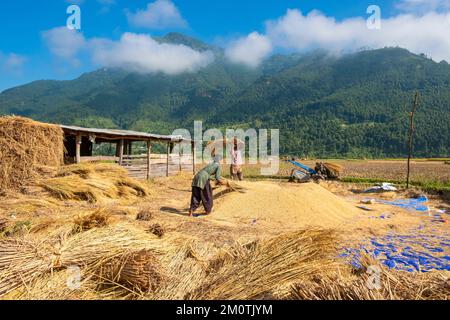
(157, 230)
(235, 187)
(138, 271)
(335, 169)
(93, 183)
(273, 263)
(23, 261)
(3, 224)
(144, 215)
(25, 146)
(187, 267)
(99, 218)
(394, 285)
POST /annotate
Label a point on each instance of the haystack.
(27, 146)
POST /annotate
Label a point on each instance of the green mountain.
(354, 105)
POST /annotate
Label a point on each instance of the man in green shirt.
(201, 186)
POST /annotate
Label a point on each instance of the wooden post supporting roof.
(179, 156)
(78, 148)
(130, 148)
(149, 160)
(193, 156)
(121, 147)
(168, 156)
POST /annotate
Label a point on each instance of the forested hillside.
(326, 106)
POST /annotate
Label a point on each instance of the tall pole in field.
(411, 135)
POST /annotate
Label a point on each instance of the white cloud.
(423, 6)
(296, 31)
(134, 52)
(427, 33)
(141, 53)
(64, 43)
(250, 50)
(161, 14)
(12, 63)
(420, 34)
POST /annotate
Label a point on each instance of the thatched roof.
(113, 134)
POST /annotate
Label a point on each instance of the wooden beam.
(130, 148)
(411, 136)
(193, 156)
(78, 141)
(168, 156)
(121, 147)
(179, 156)
(149, 159)
(118, 149)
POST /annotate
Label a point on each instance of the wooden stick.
(193, 157)
(78, 148)
(121, 147)
(179, 157)
(411, 136)
(149, 160)
(168, 156)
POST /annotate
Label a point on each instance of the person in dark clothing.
(201, 186)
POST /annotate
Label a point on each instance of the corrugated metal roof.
(126, 134)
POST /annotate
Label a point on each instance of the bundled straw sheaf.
(139, 271)
(24, 261)
(26, 146)
(272, 263)
(350, 284)
(93, 182)
(99, 218)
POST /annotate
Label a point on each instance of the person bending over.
(201, 186)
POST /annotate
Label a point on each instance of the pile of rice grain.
(26, 146)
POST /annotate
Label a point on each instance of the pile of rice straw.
(93, 182)
(23, 261)
(350, 284)
(269, 264)
(25, 147)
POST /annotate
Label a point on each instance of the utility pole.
(411, 135)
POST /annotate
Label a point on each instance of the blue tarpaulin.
(417, 204)
(405, 252)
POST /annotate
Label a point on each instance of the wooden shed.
(79, 143)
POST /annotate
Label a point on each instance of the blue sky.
(32, 48)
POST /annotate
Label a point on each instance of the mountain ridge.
(325, 105)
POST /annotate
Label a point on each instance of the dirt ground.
(269, 208)
(421, 170)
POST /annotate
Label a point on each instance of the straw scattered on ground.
(93, 183)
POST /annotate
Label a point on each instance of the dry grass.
(139, 271)
(25, 147)
(23, 261)
(349, 284)
(93, 183)
(273, 263)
